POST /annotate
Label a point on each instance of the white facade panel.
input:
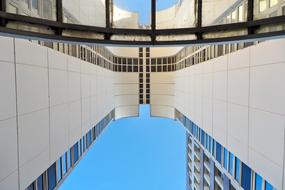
(30, 53)
(162, 111)
(7, 53)
(126, 111)
(7, 89)
(267, 89)
(58, 86)
(8, 148)
(10, 182)
(32, 88)
(58, 131)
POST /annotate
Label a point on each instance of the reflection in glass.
(86, 12)
(36, 8)
(131, 14)
(216, 12)
(268, 8)
(179, 15)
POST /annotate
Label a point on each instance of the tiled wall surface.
(48, 101)
(239, 100)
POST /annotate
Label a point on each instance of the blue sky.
(142, 153)
(143, 7)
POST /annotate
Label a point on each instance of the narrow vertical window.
(231, 164)
(68, 158)
(262, 5)
(75, 153)
(237, 169)
(245, 176)
(268, 186)
(219, 152)
(258, 182)
(58, 170)
(63, 164)
(52, 177)
(226, 157)
(40, 183)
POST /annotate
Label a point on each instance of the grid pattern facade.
(211, 166)
(59, 170)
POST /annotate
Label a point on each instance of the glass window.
(84, 143)
(268, 186)
(262, 5)
(273, 2)
(202, 138)
(258, 182)
(245, 177)
(58, 170)
(31, 187)
(231, 164)
(40, 183)
(237, 169)
(213, 147)
(68, 159)
(226, 158)
(35, 4)
(216, 12)
(63, 164)
(178, 15)
(91, 12)
(219, 152)
(52, 177)
(75, 153)
(241, 13)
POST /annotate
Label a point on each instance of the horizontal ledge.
(60, 38)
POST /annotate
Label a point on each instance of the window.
(58, 170)
(202, 138)
(213, 147)
(268, 186)
(272, 3)
(219, 152)
(245, 176)
(240, 13)
(226, 158)
(68, 159)
(262, 5)
(258, 182)
(231, 164)
(63, 164)
(75, 153)
(52, 177)
(40, 183)
(31, 187)
(237, 169)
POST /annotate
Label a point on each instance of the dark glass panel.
(52, 177)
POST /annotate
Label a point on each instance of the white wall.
(162, 94)
(126, 86)
(48, 101)
(239, 100)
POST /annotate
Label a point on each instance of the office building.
(70, 67)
